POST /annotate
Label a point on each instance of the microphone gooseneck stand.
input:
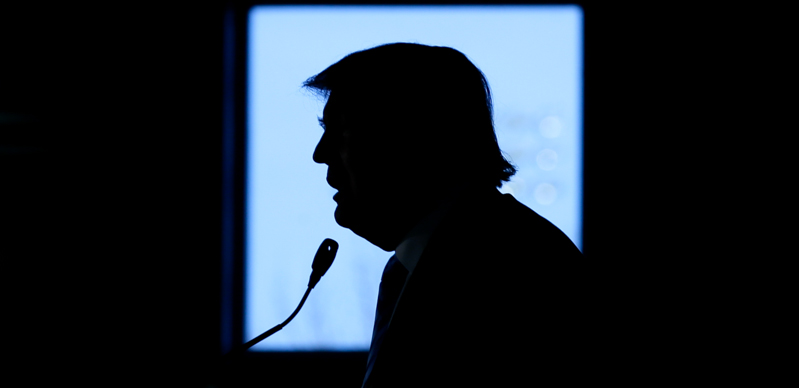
(322, 261)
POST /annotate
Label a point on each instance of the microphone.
(321, 262)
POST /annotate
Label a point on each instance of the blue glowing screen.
(532, 57)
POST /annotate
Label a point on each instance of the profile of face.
(368, 165)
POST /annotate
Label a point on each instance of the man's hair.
(434, 94)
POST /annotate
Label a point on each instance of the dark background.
(110, 142)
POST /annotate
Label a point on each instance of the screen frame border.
(234, 145)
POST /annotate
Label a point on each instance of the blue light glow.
(532, 57)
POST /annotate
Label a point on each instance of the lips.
(335, 183)
(341, 194)
(335, 180)
(338, 192)
(330, 182)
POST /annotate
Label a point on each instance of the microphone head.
(322, 261)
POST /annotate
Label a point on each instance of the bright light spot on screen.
(532, 58)
(550, 127)
(545, 194)
(547, 160)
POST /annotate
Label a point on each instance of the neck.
(387, 232)
(387, 229)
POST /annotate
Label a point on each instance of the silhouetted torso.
(497, 295)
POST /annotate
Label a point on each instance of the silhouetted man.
(481, 290)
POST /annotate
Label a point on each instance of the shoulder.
(492, 245)
(494, 222)
(531, 229)
(495, 277)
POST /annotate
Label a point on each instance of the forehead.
(332, 108)
(340, 103)
(365, 118)
(348, 111)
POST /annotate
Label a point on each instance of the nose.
(320, 153)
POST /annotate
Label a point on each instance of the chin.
(343, 216)
(347, 213)
(371, 230)
(340, 219)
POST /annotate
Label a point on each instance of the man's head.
(405, 124)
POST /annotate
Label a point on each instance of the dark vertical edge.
(228, 172)
(581, 96)
(234, 149)
(586, 206)
(242, 64)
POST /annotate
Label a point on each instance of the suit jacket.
(499, 296)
